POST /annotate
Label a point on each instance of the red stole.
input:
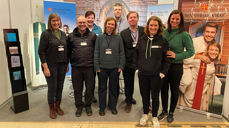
(199, 86)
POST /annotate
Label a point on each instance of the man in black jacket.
(130, 39)
(81, 50)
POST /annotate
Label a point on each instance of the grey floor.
(39, 109)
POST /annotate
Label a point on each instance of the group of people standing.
(156, 53)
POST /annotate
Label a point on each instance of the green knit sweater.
(178, 42)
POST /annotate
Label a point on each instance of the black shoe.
(79, 111)
(94, 100)
(102, 112)
(163, 115)
(170, 118)
(114, 111)
(88, 110)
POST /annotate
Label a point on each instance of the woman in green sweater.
(109, 61)
(178, 40)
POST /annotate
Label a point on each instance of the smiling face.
(153, 27)
(175, 20)
(213, 52)
(82, 23)
(90, 20)
(110, 26)
(209, 34)
(55, 23)
(133, 19)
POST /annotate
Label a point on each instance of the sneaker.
(144, 119)
(89, 111)
(163, 115)
(155, 122)
(79, 111)
(170, 118)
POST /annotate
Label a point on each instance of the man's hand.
(203, 58)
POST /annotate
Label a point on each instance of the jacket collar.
(78, 34)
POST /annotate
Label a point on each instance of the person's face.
(117, 11)
(133, 19)
(55, 23)
(110, 26)
(90, 20)
(209, 34)
(65, 29)
(213, 52)
(175, 20)
(82, 23)
(153, 27)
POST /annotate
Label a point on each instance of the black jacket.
(128, 45)
(48, 48)
(155, 63)
(81, 55)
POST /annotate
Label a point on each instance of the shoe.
(52, 113)
(94, 100)
(144, 119)
(155, 122)
(102, 112)
(114, 111)
(162, 116)
(89, 111)
(79, 111)
(128, 108)
(170, 118)
(59, 111)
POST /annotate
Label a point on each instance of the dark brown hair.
(181, 25)
(211, 25)
(51, 16)
(155, 18)
(88, 13)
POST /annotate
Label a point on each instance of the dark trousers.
(103, 76)
(172, 80)
(147, 85)
(55, 82)
(79, 76)
(128, 74)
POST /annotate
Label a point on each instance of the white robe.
(189, 78)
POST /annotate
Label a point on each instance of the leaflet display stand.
(16, 70)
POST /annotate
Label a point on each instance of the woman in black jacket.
(152, 64)
(54, 59)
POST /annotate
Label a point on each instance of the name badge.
(156, 46)
(134, 44)
(60, 48)
(108, 51)
(83, 43)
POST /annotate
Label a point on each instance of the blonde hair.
(51, 16)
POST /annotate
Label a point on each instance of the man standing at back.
(81, 46)
(130, 39)
(121, 22)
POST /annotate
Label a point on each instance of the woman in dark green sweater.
(109, 61)
(178, 40)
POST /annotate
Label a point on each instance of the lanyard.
(134, 35)
(108, 41)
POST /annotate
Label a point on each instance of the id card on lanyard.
(60, 48)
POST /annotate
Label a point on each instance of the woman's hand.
(171, 54)
(119, 69)
(99, 70)
(47, 72)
